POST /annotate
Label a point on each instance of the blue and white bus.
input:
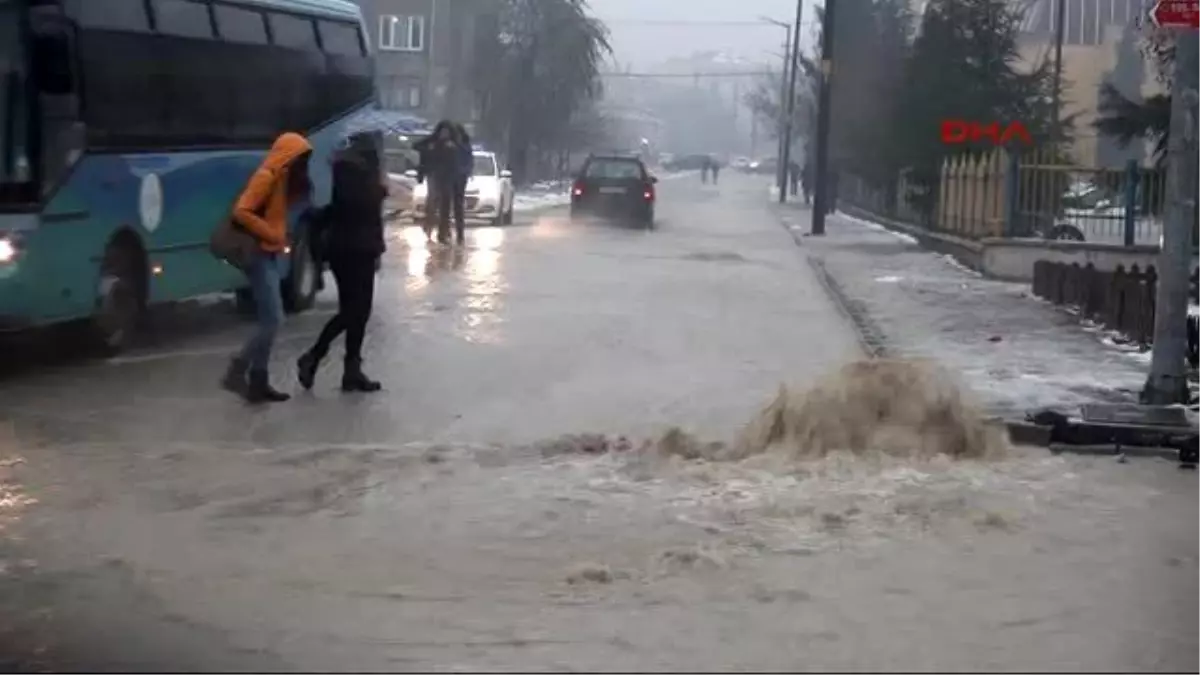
(127, 130)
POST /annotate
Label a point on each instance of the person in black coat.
(350, 233)
(440, 166)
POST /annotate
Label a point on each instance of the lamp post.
(786, 160)
(783, 122)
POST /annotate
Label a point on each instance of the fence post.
(1012, 193)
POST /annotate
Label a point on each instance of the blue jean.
(265, 279)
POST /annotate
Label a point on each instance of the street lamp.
(781, 172)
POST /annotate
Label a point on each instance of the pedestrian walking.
(466, 166)
(794, 177)
(439, 166)
(807, 176)
(352, 243)
(280, 183)
(716, 170)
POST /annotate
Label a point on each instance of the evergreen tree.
(965, 65)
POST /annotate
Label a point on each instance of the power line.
(689, 76)
(686, 22)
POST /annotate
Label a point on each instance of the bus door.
(53, 39)
(18, 188)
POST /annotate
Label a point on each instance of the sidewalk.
(1014, 350)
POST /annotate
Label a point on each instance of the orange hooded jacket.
(262, 207)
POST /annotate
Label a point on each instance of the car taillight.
(577, 189)
(648, 193)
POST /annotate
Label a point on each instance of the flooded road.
(150, 521)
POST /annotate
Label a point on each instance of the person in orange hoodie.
(280, 183)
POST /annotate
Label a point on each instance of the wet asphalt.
(149, 520)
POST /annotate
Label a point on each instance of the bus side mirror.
(52, 59)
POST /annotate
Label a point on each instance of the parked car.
(614, 186)
(489, 195)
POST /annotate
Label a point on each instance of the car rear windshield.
(615, 169)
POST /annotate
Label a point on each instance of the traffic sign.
(1176, 14)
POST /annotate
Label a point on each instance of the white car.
(489, 192)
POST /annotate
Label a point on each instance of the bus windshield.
(15, 173)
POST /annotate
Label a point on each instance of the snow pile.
(904, 408)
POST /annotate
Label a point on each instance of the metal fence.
(1058, 199)
(1034, 194)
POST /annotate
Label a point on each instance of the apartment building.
(425, 54)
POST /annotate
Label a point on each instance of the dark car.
(614, 186)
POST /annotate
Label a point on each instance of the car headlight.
(8, 250)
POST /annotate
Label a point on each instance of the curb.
(873, 340)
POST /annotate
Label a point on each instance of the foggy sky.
(645, 45)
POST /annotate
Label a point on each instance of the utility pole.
(821, 199)
(794, 64)
(1167, 382)
(781, 172)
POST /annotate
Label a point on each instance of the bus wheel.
(120, 297)
(301, 285)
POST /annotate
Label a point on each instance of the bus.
(128, 129)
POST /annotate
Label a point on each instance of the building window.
(402, 93)
(402, 33)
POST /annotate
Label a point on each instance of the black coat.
(353, 222)
(440, 161)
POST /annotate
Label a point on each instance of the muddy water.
(504, 558)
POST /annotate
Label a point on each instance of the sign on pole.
(1176, 14)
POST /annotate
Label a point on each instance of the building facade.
(1099, 46)
(425, 52)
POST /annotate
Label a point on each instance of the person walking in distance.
(793, 172)
(807, 176)
(716, 169)
(352, 235)
(280, 183)
(466, 166)
(439, 166)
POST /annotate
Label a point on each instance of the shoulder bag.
(233, 244)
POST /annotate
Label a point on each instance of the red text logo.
(962, 131)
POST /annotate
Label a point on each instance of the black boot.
(235, 376)
(353, 378)
(306, 369)
(261, 391)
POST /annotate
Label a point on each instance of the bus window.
(239, 25)
(129, 15)
(340, 38)
(293, 31)
(183, 18)
(15, 171)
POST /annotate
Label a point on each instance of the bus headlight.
(8, 250)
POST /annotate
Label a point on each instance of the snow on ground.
(1017, 352)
